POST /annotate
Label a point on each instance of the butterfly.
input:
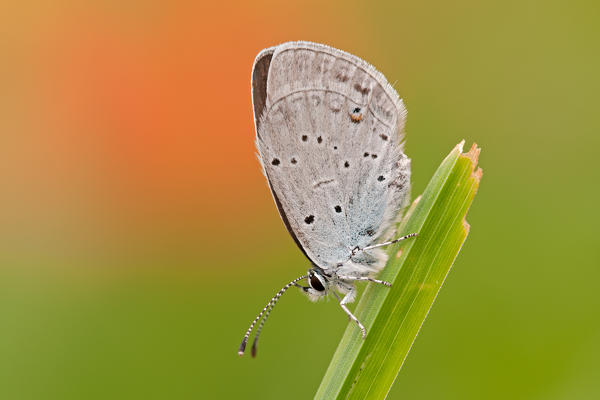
(329, 134)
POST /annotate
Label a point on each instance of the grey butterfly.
(329, 134)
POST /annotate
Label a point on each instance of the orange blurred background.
(134, 124)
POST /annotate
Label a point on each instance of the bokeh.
(138, 237)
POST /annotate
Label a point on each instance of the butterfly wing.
(329, 137)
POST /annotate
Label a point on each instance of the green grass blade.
(367, 368)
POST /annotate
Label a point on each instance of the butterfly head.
(318, 284)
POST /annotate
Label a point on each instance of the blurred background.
(138, 238)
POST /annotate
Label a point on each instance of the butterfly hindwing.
(329, 137)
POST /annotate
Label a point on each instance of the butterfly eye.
(315, 283)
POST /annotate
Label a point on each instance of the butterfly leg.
(364, 278)
(358, 249)
(391, 241)
(348, 298)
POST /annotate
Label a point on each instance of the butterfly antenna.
(265, 311)
(258, 330)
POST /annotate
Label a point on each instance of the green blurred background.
(138, 238)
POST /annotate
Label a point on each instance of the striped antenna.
(265, 311)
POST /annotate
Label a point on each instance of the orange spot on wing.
(356, 117)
